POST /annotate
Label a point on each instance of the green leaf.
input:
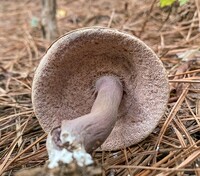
(182, 2)
(164, 3)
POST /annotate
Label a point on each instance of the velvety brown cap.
(64, 81)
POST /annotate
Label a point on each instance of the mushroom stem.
(92, 129)
(75, 139)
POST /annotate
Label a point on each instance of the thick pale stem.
(84, 134)
(92, 129)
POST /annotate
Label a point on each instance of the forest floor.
(173, 33)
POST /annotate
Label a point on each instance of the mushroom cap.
(63, 85)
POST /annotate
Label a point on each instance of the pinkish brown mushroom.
(99, 87)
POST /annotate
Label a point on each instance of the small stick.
(111, 18)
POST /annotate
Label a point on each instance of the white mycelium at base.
(56, 155)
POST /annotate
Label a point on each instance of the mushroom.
(98, 88)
